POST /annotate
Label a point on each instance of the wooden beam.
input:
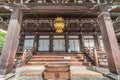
(109, 39)
(64, 7)
(69, 7)
(10, 46)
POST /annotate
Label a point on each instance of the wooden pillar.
(66, 41)
(21, 42)
(109, 39)
(81, 37)
(36, 42)
(51, 42)
(96, 41)
(10, 46)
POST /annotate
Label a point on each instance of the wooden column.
(10, 46)
(51, 42)
(66, 41)
(109, 39)
(81, 37)
(20, 43)
(36, 42)
(96, 41)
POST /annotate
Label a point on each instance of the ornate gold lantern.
(59, 24)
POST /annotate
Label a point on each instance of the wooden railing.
(24, 57)
(92, 55)
(95, 57)
(27, 54)
(98, 58)
(89, 53)
(102, 59)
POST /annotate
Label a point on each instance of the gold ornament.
(59, 24)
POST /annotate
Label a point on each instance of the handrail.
(27, 55)
(92, 55)
(89, 53)
(96, 58)
(102, 60)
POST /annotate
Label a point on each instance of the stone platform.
(77, 73)
(72, 78)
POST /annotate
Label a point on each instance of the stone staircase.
(49, 58)
(80, 65)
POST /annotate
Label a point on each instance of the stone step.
(72, 63)
(59, 54)
(72, 59)
(53, 59)
(55, 56)
(59, 61)
(56, 60)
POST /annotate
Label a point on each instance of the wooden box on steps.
(57, 72)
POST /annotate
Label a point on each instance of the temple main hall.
(60, 40)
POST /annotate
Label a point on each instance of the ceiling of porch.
(47, 10)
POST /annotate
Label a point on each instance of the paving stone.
(88, 78)
(28, 78)
(72, 78)
(77, 73)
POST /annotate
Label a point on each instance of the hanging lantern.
(59, 24)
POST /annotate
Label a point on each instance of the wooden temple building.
(86, 25)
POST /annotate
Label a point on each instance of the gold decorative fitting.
(59, 24)
(59, 19)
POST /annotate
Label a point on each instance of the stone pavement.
(72, 78)
(77, 73)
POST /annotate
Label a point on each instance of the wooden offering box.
(57, 72)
